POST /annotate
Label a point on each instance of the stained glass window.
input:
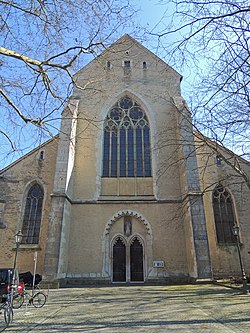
(223, 215)
(32, 215)
(126, 151)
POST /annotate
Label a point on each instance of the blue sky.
(155, 16)
(149, 16)
(150, 12)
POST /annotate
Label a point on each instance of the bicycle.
(35, 298)
(8, 285)
(8, 313)
(7, 310)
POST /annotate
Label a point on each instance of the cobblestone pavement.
(143, 309)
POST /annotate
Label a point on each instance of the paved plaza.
(143, 309)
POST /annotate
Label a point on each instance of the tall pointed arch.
(126, 143)
(224, 215)
(32, 215)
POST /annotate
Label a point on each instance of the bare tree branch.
(43, 44)
(212, 39)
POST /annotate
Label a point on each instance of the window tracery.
(223, 215)
(126, 150)
(32, 215)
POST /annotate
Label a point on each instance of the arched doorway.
(128, 226)
(128, 260)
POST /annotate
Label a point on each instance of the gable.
(127, 49)
(40, 153)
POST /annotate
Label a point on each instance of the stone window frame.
(127, 67)
(224, 215)
(41, 155)
(108, 65)
(33, 207)
(126, 141)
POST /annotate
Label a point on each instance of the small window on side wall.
(41, 155)
(127, 67)
(218, 160)
(127, 64)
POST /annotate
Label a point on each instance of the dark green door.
(119, 261)
(136, 261)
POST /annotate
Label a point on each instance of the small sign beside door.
(158, 263)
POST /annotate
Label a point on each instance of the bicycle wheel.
(38, 300)
(8, 314)
(18, 301)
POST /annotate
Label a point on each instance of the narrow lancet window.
(224, 216)
(32, 215)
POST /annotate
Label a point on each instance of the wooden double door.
(128, 262)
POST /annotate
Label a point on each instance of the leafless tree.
(43, 43)
(211, 38)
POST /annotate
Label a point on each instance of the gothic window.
(126, 151)
(223, 215)
(32, 215)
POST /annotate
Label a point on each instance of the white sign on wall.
(158, 263)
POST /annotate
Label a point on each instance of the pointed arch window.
(126, 151)
(223, 215)
(32, 215)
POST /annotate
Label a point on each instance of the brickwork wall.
(224, 258)
(14, 183)
(92, 207)
(82, 212)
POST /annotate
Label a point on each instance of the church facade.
(127, 192)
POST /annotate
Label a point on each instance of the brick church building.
(127, 192)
